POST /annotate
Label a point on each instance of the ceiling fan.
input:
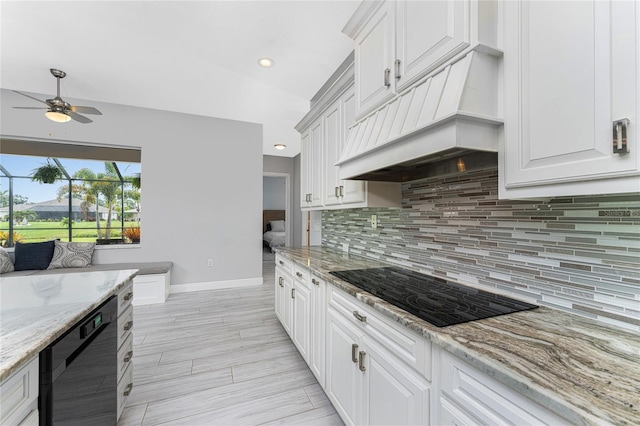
(58, 109)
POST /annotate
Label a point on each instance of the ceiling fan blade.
(85, 110)
(30, 107)
(29, 96)
(78, 117)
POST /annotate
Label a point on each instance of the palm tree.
(108, 184)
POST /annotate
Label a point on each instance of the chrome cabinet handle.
(128, 326)
(128, 356)
(341, 191)
(281, 262)
(387, 75)
(128, 390)
(354, 350)
(298, 274)
(293, 293)
(397, 70)
(620, 136)
(361, 356)
(336, 191)
(128, 296)
(314, 281)
(359, 317)
(280, 280)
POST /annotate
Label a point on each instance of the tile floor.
(221, 358)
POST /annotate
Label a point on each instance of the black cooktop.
(435, 300)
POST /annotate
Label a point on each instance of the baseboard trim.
(215, 285)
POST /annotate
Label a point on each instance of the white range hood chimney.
(451, 114)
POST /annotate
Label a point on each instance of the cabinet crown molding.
(361, 15)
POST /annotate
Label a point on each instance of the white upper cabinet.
(398, 42)
(571, 86)
(375, 54)
(337, 119)
(324, 132)
(427, 34)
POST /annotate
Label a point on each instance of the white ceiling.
(197, 57)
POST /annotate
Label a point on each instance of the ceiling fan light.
(56, 116)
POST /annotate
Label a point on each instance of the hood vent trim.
(451, 113)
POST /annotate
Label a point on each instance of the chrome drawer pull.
(314, 281)
(293, 293)
(128, 296)
(359, 317)
(361, 356)
(281, 262)
(128, 325)
(128, 356)
(354, 350)
(280, 280)
(128, 391)
(298, 274)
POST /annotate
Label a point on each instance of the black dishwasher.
(78, 383)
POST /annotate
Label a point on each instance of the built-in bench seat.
(151, 285)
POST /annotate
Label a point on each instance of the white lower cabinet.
(301, 307)
(19, 396)
(366, 383)
(318, 329)
(469, 397)
(283, 305)
(125, 345)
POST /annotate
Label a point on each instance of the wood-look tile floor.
(221, 358)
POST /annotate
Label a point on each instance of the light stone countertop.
(583, 370)
(35, 310)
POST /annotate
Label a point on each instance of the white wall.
(274, 193)
(201, 184)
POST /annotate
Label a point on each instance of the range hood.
(447, 123)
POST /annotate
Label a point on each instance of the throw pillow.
(30, 256)
(6, 265)
(277, 225)
(71, 255)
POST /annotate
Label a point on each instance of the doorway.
(275, 206)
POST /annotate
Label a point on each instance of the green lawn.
(82, 231)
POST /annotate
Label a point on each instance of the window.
(96, 196)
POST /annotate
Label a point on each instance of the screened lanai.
(94, 196)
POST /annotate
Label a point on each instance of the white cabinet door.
(374, 57)
(287, 304)
(318, 326)
(279, 295)
(352, 191)
(301, 301)
(427, 34)
(343, 385)
(393, 393)
(334, 136)
(315, 164)
(571, 70)
(305, 170)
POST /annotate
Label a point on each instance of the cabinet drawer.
(302, 275)
(284, 263)
(485, 399)
(19, 394)
(125, 325)
(125, 296)
(410, 347)
(125, 353)
(124, 388)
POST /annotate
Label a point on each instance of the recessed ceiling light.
(280, 146)
(265, 62)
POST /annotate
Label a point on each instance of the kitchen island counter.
(583, 370)
(36, 310)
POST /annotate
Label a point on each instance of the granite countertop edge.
(58, 330)
(577, 412)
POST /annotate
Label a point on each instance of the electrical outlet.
(374, 221)
(209, 262)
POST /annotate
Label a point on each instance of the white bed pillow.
(277, 225)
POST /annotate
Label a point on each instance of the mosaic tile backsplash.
(578, 254)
